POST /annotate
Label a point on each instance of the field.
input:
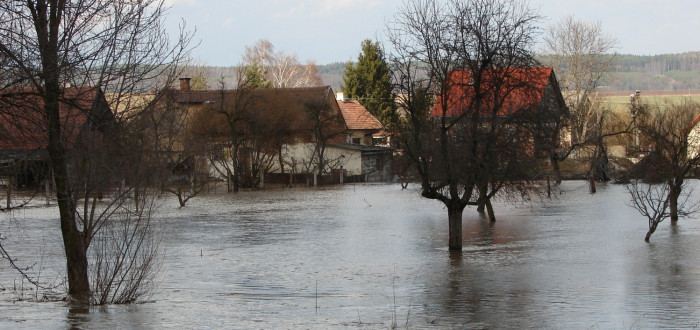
(620, 101)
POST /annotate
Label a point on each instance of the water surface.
(366, 256)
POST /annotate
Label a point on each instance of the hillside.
(668, 72)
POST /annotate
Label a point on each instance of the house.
(368, 157)
(693, 138)
(362, 127)
(84, 113)
(278, 132)
(530, 93)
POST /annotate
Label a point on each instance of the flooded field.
(369, 256)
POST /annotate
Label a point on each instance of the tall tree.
(582, 54)
(464, 55)
(118, 46)
(277, 69)
(255, 73)
(368, 81)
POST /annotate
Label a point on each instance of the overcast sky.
(326, 31)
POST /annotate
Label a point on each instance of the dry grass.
(620, 102)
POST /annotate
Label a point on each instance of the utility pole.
(635, 108)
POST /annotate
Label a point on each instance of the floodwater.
(370, 256)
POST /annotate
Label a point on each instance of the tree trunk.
(455, 224)
(281, 160)
(483, 199)
(236, 183)
(555, 167)
(489, 209)
(673, 205)
(8, 190)
(674, 194)
(74, 241)
(652, 229)
(179, 198)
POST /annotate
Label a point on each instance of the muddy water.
(367, 256)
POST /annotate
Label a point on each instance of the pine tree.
(368, 81)
(255, 76)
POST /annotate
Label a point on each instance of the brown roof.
(288, 109)
(23, 123)
(357, 117)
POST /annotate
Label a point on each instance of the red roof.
(23, 123)
(503, 90)
(357, 117)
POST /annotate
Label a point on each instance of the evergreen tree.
(368, 81)
(255, 76)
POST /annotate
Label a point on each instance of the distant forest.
(668, 72)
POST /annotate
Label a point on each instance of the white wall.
(297, 155)
(694, 142)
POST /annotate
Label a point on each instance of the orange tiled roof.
(357, 117)
(519, 88)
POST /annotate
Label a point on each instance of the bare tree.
(651, 200)
(125, 257)
(243, 136)
(223, 124)
(118, 46)
(280, 69)
(580, 52)
(674, 140)
(326, 125)
(466, 54)
(174, 153)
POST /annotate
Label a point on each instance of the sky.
(326, 31)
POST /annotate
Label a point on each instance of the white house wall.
(295, 157)
(694, 141)
(352, 160)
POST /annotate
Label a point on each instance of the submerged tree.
(674, 139)
(174, 153)
(119, 47)
(468, 57)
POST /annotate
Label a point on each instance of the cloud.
(227, 22)
(339, 6)
(321, 8)
(171, 3)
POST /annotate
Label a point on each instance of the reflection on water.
(365, 256)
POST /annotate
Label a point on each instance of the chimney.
(185, 84)
(340, 96)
